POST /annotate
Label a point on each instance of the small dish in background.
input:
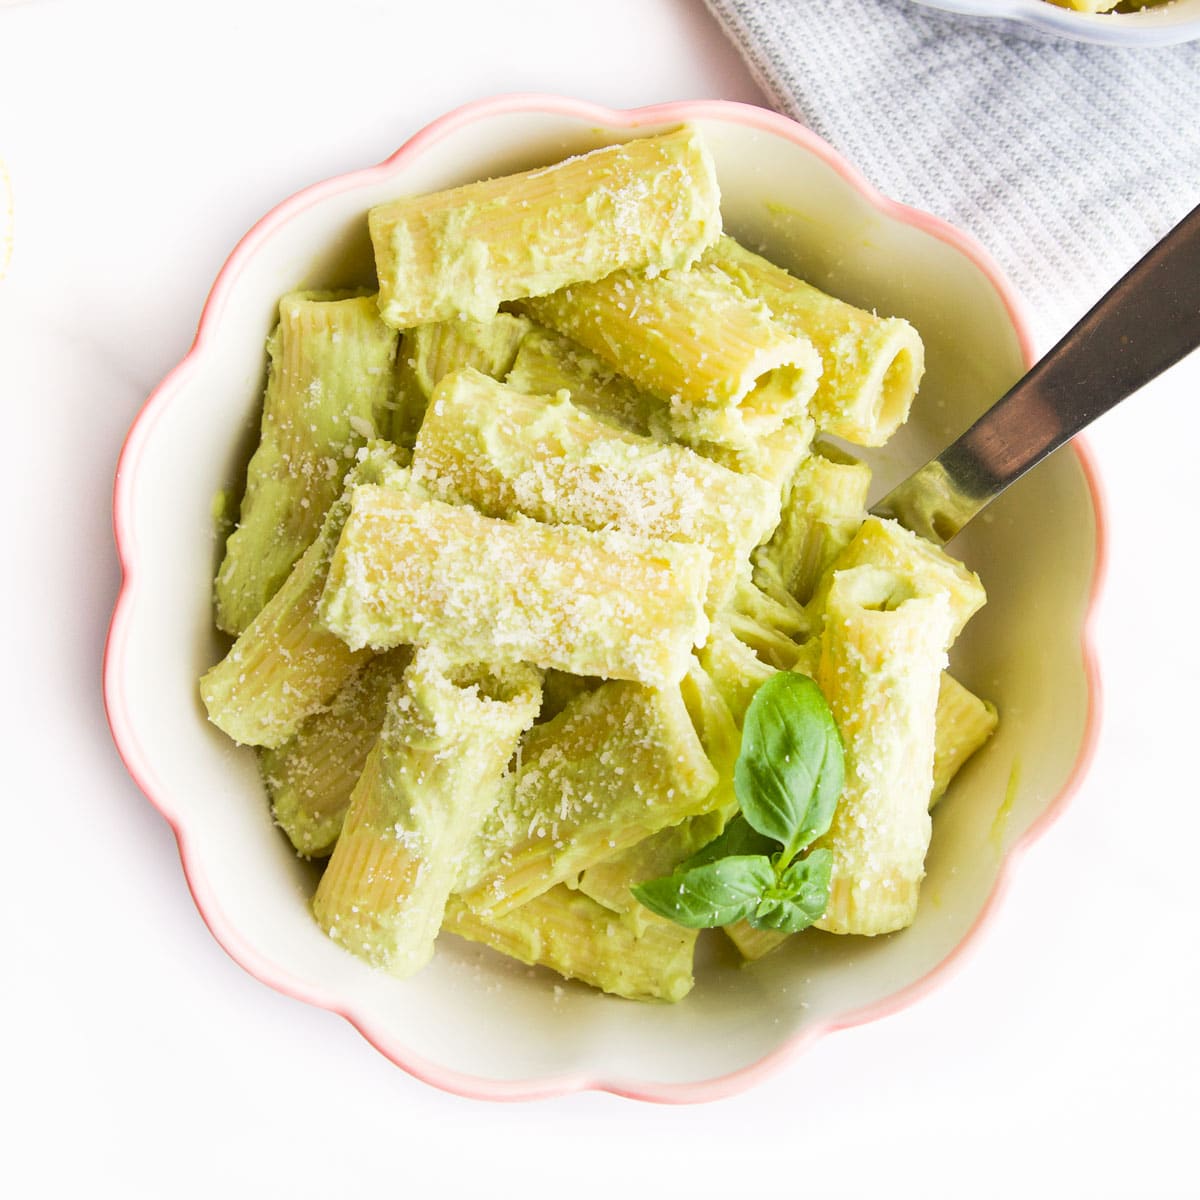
(1158, 25)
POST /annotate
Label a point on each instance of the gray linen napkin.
(1066, 161)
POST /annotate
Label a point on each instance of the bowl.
(1162, 25)
(472, 1022)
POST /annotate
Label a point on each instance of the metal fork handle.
(1147, 322)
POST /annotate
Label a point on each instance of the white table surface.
(141, 140)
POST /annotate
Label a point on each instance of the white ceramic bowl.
(473, 1022)
(1162, 25)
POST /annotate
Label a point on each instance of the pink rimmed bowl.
(475, 1023)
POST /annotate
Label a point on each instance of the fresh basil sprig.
(787, 779)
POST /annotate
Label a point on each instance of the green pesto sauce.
(1000, 821)
(222, 509)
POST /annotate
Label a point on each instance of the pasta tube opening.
(895, 380)
(773, 394)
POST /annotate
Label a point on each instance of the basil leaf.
(799, 898)
(710, 895)
(789, 773)
(738, 838)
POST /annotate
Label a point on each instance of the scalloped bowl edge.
(137, 763)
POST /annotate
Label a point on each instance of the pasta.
(733, 666)
(882, 655)
(548, 363)
(286, 666)
(409, 569)
(870, 367)
(328, 390)
(1103, 6)
(430, 781)
(486, 444)
(310, 777)
(429, 353)
(651, 203)
(567, 808)
(608, 881)
(525, 534)
(962, 724)
(825, 507)
(575, 936)
(880, 543)
(727, 372)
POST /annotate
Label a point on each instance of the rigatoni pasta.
(311, 776)
(573, 935)
(652, 202)
(409, 570)
(548, 362)
(882, 654)
(329, 385)
(608, 882)
(727, 372)
(429, 353)
(614, 767)
(486, 444)
(871, 366)
(434, 774)
(286, 665)
(882, 543)
(963, 723)
(734, 667)
(507, 672)
(825, 506)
